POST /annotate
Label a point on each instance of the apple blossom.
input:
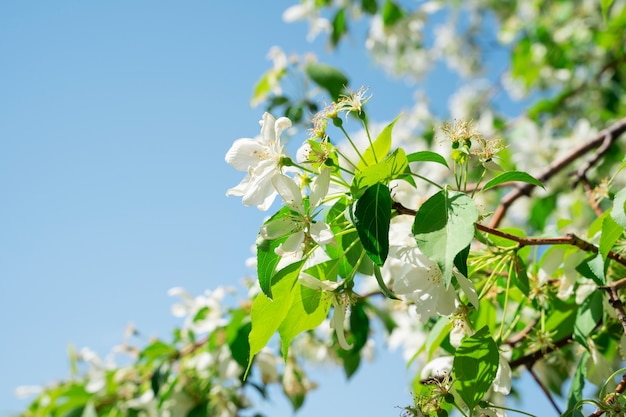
(261, 159)
(300, 224)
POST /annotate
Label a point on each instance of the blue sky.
(114, 121)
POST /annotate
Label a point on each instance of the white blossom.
(261, 159)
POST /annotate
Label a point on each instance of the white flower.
(502, 381)
(438, 367)
(307, 10)
(26, 391)
(261, 159)
(300, 225)
(203, 313)
(422, 283)
(408, 333)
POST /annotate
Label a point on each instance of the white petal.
(321, 233)
(277, 228)
(245, 153)
(281, 125)
(502, 381)
(292, 244)
(267, 128)
(337, 323)
(320, 187)
(289, 191)
(468, 288)
(438, 367)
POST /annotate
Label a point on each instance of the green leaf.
(157, 350)
(611, 231)
(520, 275)
(237, 334)
(340, 28)
(588, 317)
(159, 376)
(379, 149)
(359, 332)
(443, 227)
(382, 285)
(329, 78)
(593, 267)
(427, 156)
(475, 366)
(369, 6)
(561, 319)
(460, 261)
(541, 210)
(605, 5)
(392, 167)
(437, 334)
(391, 13)
(512, 176)
(372, 217)
(266, 256)
(348, 250)
(575, 395)
(308, 309)
(618, 212)
(268, 314)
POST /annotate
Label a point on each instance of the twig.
(569, 239)
(612, 132)
(514, 340)
(544, 389)
(581, 172)
(616, 303)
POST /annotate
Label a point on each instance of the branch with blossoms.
(342, 224)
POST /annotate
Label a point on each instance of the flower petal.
(320, 187)
(289, 191)
(277, 228)
(245, 153)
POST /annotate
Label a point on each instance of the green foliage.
(475, 367)
(329, 78)
(443, 227)
(371, 217)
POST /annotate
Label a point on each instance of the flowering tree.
(487, 245)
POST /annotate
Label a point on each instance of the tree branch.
(609, 134)
(544, 389)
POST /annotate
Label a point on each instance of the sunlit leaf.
(475, 366)
(329, 78)
(443, 227)
(266, 256)
(427, 156)
(379, 148)
(588, 317)
(512, 176)
(267, 314)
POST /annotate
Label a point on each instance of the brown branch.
(612, 133)
(616, 303)
(515, 339)
(569, 239)
(581, 172)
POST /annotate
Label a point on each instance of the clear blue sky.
(114, 120)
